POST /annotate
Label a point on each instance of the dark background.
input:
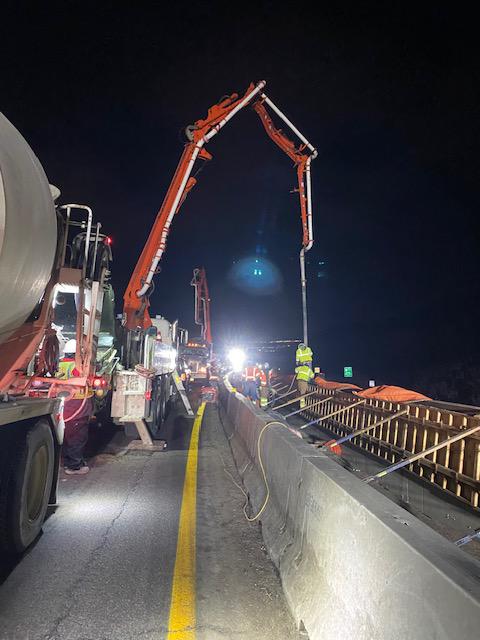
(389, 95)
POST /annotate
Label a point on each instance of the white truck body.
(143, 393)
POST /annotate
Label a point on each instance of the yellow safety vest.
(304, 373)
(304, 355)
(65, 371)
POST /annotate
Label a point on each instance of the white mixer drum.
(28, 229)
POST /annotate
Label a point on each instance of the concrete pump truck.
(134, 394)
(54, 278)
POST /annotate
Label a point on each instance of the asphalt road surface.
(111, 565)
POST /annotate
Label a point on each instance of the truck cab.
(197, 355)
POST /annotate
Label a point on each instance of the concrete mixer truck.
(54, 286)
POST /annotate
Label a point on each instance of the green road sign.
(347, 372)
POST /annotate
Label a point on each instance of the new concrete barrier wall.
(353, 564)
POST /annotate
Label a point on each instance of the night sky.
(388, 96)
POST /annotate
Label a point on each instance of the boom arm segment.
(302, 161)
(135, 308)
(202, 303)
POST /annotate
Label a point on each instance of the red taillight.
(108, 240)
(148, 395)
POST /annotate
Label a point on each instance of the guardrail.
(455, 468)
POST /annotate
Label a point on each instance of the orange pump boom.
(136, 296)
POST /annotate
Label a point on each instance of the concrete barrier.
(353, 564)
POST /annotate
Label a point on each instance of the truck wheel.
(163, 398)
(159, 406)
(28, 482)
(156, 421)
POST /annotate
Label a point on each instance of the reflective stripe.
(251, 373)
(65, 369)
(304, 355)
(304, 373)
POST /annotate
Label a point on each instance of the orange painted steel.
(21, 346)
(136, 296)
(294, 153)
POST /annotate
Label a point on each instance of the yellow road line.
(181, 624)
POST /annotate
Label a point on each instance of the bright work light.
(237, 358)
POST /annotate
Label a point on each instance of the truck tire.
(25, 487)
(164, 399)
(158, 414)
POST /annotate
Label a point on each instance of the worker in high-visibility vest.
(77, 413)
(185, 376)
(304, 374)
(304, 355)
(66, 365)
(264, 388)
(251, 375)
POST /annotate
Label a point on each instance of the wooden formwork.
(455, 468)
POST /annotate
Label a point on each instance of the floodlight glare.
(237, 358)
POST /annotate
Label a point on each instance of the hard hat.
(301, 345)
(70, 346)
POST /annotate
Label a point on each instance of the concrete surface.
(438, 510)
(102, 570)
(353, 564)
